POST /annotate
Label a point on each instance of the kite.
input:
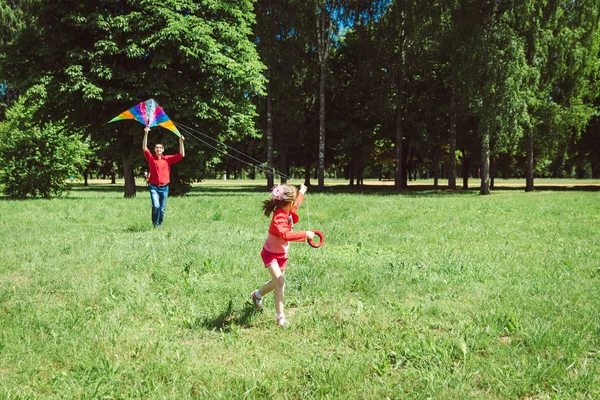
(149, 114)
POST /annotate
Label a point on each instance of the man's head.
(159, 149)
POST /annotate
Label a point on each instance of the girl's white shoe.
(282, 322)
(256, 300)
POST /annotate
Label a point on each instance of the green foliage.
(11, 19)
(98, 58)
(38, 157)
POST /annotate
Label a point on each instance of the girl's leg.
(278, 282)
(267, 288)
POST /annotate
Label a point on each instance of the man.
(160, 175)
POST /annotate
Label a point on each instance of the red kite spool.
(321, 240)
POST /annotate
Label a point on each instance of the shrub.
(37, 159)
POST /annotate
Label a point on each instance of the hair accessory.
(277, 193)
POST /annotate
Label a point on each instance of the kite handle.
(321, 240)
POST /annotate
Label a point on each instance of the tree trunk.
(360, 175)
(307, 173)
(270, 179)
(130, 189)
(452, 155)
(484, 189)
(406, 156)
(465, 170)
(529, 166)
(399, 172)
(322, 127)
(492, 172)
(486, 129)
(325, 14)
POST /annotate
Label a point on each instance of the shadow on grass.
(387, 190)
(554, 188)
(95, 187)
(230, 317)
(139, 227)
(240, 190)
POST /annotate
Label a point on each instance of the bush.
(37, 159)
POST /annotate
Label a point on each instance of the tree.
(98, 59)
(37, 159)
(559, 42)
(328, 17)
(282, 45)
(12, 20)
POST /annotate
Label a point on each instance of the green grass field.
(422, 294)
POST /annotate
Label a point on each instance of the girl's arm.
(299, 201)
(279, 227)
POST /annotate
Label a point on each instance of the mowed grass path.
(422, 294)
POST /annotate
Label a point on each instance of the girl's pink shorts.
(270, 258)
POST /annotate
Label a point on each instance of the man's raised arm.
(145, 141)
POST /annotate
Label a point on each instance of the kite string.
(220, 142)
(307, 212)
(188, 131)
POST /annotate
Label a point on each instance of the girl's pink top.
(280, 230)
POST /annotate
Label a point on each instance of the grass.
(423, 294)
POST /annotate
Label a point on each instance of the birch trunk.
(270, 179)
(452, 155)
(465, 170)
(321, 184)
(484, 189)
(399, 171)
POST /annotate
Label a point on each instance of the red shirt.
(280, 229)
(160, 168)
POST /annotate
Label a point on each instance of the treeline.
(388, 89)
(434, 89)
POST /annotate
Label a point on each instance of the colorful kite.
(149, 114)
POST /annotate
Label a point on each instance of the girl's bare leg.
(267, 288)
(278, 284)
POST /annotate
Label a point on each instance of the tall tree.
(282, 42)
(99, 58)
(561, 45)
(326, 12)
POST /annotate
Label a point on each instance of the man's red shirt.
(160, 168)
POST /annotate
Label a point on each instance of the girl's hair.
(281, 196)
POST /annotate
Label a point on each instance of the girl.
(283, 203)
